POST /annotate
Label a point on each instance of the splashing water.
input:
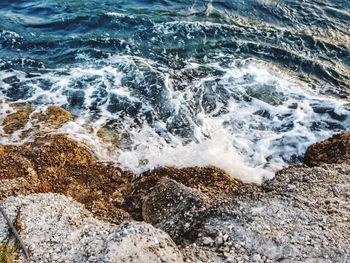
(181, 85)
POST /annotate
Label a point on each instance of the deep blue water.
(273, 75)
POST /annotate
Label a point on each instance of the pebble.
(207, 241)
(256, 258)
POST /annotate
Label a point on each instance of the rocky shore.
(74, 208)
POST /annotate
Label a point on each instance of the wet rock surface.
(114, 135)
(333, 150)
(55, 163)
(17, 120)
(53, 117)
(27, 122)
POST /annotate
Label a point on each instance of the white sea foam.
(117, 14)
(235, 136)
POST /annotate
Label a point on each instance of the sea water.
(243, 85)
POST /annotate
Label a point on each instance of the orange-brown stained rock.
(333, 150)
(55, 163)
(17, 120)
(13, 165)
(52, 118)
(212, 183)
(112, 133)
(57, 151)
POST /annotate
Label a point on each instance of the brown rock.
(17, 120)
(57, 150)
(333, 150)
(13, 165)
(213, 184)
(115, 135)
(55, 163)
(54, 117)
(174, 208)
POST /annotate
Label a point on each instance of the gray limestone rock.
(57, 229)
(302, 215)
(174, 208)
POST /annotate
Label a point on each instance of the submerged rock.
(333, 150)
(52, 117)
(174, 208)
(115, 135)
(16, 121)
(58, 229)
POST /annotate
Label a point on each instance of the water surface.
(244, 85)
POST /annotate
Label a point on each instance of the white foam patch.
(117, 14)
(217, 151)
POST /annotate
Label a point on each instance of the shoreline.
(201, 213)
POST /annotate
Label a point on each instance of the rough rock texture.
(303, 215)
(55, 163)
(140, 242)
(195, 253)
(53, 117)
(29, 122)
(333, 150)
(58, 229)
(212, 183)
(174, 208)
(13, 165)
(17, 120)
(115, 135)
